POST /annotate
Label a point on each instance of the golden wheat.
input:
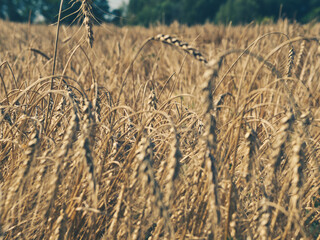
(139, 141)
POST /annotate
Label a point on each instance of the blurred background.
(146, 12)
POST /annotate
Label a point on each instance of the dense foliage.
(166, 11)
(220, 11)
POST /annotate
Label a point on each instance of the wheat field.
(209, 132)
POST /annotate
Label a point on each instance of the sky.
(116, 3)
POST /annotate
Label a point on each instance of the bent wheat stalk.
(167, 39)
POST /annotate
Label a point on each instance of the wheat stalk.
(296, 167)
(209, 140)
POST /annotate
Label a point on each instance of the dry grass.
(146, 139)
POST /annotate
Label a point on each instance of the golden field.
(135, 138)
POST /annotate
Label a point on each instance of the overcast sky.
(116, 3)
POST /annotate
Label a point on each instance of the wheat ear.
(278, 148)
(167, 39)
(152, 100)
(301, 56)
(290, 62)
(250, 148)
(87, 21)
(59, 229)
(114, 222)
(264, 220)
(25, 169)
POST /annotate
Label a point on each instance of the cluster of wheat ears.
(143, 137)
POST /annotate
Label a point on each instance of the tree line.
(220, 11)
(145, 12)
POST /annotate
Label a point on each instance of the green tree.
(170, 11)
(238, 11)
(314, 13)
(166, 11)
(243, 11)
(143, 11)
(295, 9)
(197, 12)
